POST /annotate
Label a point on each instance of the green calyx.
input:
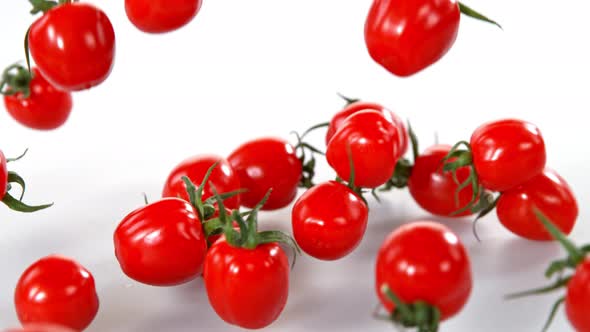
(247, 236)
(306, 154)
(43, 6)
(11, 201)
(348, 100)
(16, 79)
(467, 11)
(403, 168)
(559, 267)
(419, 314)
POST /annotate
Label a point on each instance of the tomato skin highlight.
(433, 189)
(507, 153)
(407, 36)
(339, 118)
(266, 163)
(3, 175)
(329, 221)
(373, 142)
(73, 46)
(247, 287)
(161, 244)
(425, 261)
(547, 191)
(223, 177)
(56, 290)
(46, 108)
(159, 16)
(577, 299)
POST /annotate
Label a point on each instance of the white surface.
(244, 69)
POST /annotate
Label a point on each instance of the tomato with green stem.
(32, 101)
(247, 272)
(7, 179)
(329, 220)
(405, 37)
(423, 275)
(56, 290)
(577, 295)
(547, 191)
(72, 43)
(263, 164)
(373, 141)
(356, 106)
(160, 16)
(223, 177)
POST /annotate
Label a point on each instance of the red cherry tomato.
(223, 177)
(56, 290)
(433, 189)
(549, 193)
(577, 299)
(161, 15)
(3, 175)
(162, 243)
(41, 328)
(247, 287)
(329, 221)
(46, 108)
(267, 163)
(507, 153)
(339, 118)
(373, 141)
(407, 36)
(425, 261)
(73, 46)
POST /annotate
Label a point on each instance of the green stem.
(19, 206)
(400, 306)
(542, 290)
(554, 309)
(348, 100)
(574, 252)
(476, 15)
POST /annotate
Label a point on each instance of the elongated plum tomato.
(3, 175)
(56, 290)
(425, 261)
(329, 221)
(73, 46)
(358, 106)
(433, 189)
(266, 163)
(223, 177)
(577, 299)
(40, 328)
(46, 108)
(158, 16)
(549, 193)
(407, 36)
(373, 141)
(507, 153)
(247, 287)
(162, 243)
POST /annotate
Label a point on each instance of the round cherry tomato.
(433, 189)
(339, 118)
(549, 193)
(577, 299)
(158, 16)
(407, 36)
(162, 243)
(73, 46)
(3, 175)
(223, 177)
(263, 164)
(46, 108)
(507, 153)
(247, 287)
(425, 261)
(56, 290)
(41, 328)
(373, 142)
(329, 221)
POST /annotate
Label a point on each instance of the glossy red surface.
(158, 16)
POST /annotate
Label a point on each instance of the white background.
(244, 69)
